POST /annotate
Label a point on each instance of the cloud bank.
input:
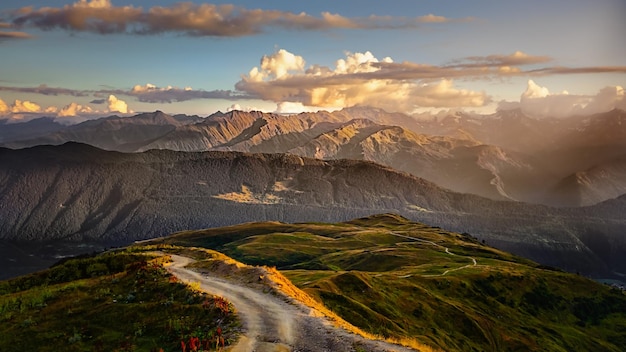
(23, 110)
(538, 101)
(102, 17)
(359, 78)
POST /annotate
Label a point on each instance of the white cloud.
(533, 90)
(295, 108)
(238, 107)
(357, 79)
(234, 107)
(117, 105)
(277, 66)
(538, 101)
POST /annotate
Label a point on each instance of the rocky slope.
(507, 155)
(77, 192)
(462, 165)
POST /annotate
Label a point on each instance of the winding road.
(271, 323)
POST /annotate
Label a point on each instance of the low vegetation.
(117, 301)
(398, 279)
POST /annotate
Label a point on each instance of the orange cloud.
(25, 106)
(100, 16)
(4, 108)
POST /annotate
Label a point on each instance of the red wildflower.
(194, 343)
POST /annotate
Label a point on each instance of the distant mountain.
(600, 182)
(505, 156)
(80, 193)
(15, 131)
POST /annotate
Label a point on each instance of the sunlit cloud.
(355, 80)
(24, 106)
(74, 109)
(117, 105)
(537, 101)
(4, 108)
(101, 16)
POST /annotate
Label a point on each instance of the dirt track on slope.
(272, 323)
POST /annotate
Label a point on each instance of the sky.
(75, 60)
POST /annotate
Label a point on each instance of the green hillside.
(396, 278)
(116, 301)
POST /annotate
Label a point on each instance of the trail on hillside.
(445, 249)
(271, 323)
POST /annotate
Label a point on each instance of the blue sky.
(197, 58)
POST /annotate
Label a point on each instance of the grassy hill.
(397, 278)
(117, 301)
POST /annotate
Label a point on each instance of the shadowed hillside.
(75, 192)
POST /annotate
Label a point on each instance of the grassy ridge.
(121, 301)
(394, 278)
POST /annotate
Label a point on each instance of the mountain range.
(76, 192)
(571, 162)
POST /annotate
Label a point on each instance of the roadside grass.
(117, 301)
(395, 287)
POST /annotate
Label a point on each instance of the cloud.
(538, 101)
(117, 105)
(533, 90)
(74, 109)
(25, 106)
(237, 107)
(357, 79)
(45, 90)
(517, 58)
(287, 107)
(4, 35)
(4, 108)
(430, 18)
(100, 16)
(10, 35)
(150, 93)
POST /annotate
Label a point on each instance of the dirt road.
(271, 323)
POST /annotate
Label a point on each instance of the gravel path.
(271, 323)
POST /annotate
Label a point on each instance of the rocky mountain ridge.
(80, 193)
(506, 156)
